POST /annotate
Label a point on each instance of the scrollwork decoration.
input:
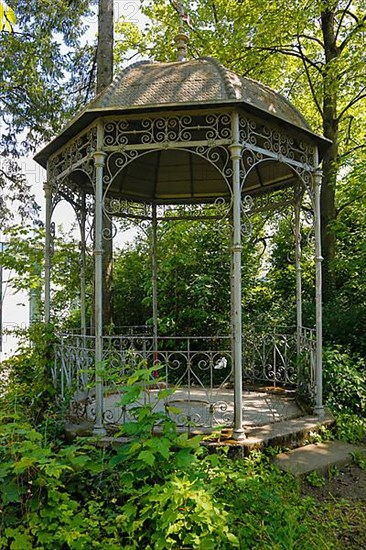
(264, 138)
(163, 130)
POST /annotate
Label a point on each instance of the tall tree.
(104, 78)
(39, 86)
(105, 45)
(311, 50)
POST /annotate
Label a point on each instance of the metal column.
(82, 222)
(99, 160)
(319, 408)
(236, 150)
(154, 269)
(47, 252)
(297, 235)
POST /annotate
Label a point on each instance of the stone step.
(319, 457)
(289, 434)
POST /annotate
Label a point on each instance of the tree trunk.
(104, 78)
(105, 45)
(330, 129)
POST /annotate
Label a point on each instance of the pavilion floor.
(194, 409)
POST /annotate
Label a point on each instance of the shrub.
(29, 387)
(156, 491)
(344, 381)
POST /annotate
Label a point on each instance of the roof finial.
(181, 39)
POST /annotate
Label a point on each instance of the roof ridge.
(230, 89)
(277, 94)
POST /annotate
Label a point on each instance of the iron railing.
(197, 370)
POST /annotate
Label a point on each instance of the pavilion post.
(319, 408)
(99, 160)
(154, 269)
(236, 150)
(297, 234)
(47, 252)
(82, 222)
(232, 296)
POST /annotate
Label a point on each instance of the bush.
(156, 491)
(28, 387)
(344, 381)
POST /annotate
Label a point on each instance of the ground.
(343, 495)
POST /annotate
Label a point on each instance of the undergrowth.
(159, 490)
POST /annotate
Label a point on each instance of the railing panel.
(197, 370)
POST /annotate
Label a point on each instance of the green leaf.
(184, 458)
(11, 492)
(53, 469)
(147, 456)
(172, 409)
(24, 464)
(233, 539)
(7, 17)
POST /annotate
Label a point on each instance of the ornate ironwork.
(269, 202)
(78, 154)
(264, 140)
(197, 370)
(118, 134)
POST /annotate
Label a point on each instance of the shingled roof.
(153, 86)
(199, 81)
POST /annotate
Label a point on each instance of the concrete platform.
(270, 418)
(287, 434)
(208, 408)
(319, 457)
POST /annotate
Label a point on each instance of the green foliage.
(23, 256)
(344, 381)
(131, 272)
(193, 279)
(44, 75)
(323, 434)
(159, 489)
(351, 427)
(345, 314)
(43, 505)
(7, 17)
(28, 387)
(315, 479)
(359, 458)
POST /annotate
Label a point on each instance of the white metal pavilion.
(193, 134)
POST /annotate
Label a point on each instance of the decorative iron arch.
(235, 132)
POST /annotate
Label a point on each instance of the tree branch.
(285, 50)
(91, 76)
(214, 9)
(352, 32)
(310, 82)
(313, 38)
(344, 12)
(356, 99)
(353, 150)
(348, 203)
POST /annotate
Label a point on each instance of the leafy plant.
(315, 479)
(359, 458)
(351, 427)
(344, 381)
(29, 388)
